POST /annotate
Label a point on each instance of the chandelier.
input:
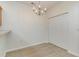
(37, 9)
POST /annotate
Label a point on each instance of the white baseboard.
(26, 46)
(58, 45)
(74, 53)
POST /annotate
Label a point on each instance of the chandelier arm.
(39, 2)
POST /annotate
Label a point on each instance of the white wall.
(64, 30)
(27, 28)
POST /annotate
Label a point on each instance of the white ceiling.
(47, 4)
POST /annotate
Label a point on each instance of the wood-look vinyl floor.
(42, 50)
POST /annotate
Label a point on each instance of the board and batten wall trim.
(0, 15)
(58, 15)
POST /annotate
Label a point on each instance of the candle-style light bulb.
(45, 9)
(42, 11)
(39, 6)
(36, 11)
(34, 8)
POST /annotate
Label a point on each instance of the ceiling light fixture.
(37, 9)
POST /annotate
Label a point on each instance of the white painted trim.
(26, 46)
(74, 53)
(58, 45)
